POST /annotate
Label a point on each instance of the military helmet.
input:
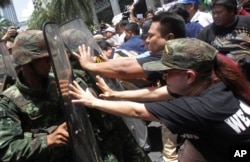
(28, 46)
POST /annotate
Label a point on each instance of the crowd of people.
(190, 67)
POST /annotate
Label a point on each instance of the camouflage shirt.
(26, 117)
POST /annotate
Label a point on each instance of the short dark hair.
(180, 10)
(133, 27)
(170, 23)
(229, 4)
(104, 45)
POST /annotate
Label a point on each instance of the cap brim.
(155, 66)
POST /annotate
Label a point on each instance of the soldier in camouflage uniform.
(31, 119)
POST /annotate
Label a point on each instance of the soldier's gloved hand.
(59, 137)
(108, 93)
(84, 56)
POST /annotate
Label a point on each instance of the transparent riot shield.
(7, 71)
(82, 139)
(75, 33)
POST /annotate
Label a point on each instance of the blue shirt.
(193, 29)
(135, 43)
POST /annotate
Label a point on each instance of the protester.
(229, 33)
(226, 26)
(192, 28)
(204, 113)
(31, 121)
(111, 37)
(133, 41)
(114, 139)
(120, 30)
(192, 6)
(164, 26)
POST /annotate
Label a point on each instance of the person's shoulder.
(194, 25)
(243, 21)
(207, 28)
(243, 18)
(150, 57)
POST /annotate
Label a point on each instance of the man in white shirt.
(192, 6)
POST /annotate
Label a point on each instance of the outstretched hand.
(81, 96)
(107, 92)
(84, 56)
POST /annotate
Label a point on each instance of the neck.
(234, 19)
(199, 88)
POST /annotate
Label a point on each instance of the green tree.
(4, 24)
(4, 3)
(60, 11)
(39, 17)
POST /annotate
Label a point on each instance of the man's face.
(42, 66)
(155, 42)
(221, 16)
(128, 35)
(108, 34)
(176, 81)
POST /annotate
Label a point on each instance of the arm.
(132, 18)
(121, 69)
(120, 108)
(146, 94)
(17, 144)
(14, 143)
(10, 32)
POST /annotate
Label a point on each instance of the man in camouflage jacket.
(32, 126)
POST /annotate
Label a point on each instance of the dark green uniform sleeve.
(15, 144)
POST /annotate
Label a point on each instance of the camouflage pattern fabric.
(26, 118)
(183, 54)
(29, 45)
(115, 141)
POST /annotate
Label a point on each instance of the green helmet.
(28, 46)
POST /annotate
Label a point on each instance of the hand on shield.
(59, 137)
(108, 93)
(84, 57)
(81, 96)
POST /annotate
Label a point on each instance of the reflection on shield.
(75, 33)
(83, 143)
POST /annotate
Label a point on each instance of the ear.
(169, 36)
(192, 6)
(190, 76)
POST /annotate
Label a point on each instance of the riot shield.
(76, 33)
(82, 139)
(7, 71)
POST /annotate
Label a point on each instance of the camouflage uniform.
(27, 116)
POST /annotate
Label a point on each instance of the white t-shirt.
(203, 18)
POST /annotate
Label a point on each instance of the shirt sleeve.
(179, 115)
(15, 144)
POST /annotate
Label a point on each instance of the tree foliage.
(60, 11)
(4, 25)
